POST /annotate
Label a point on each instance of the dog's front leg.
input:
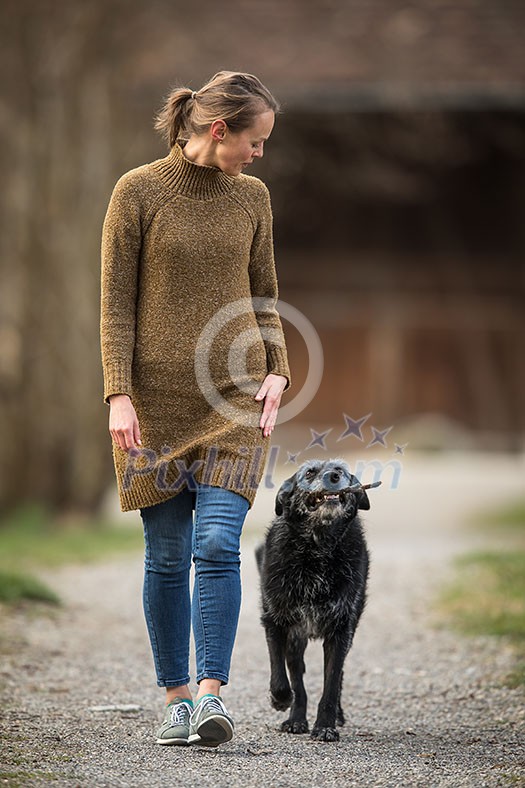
(280, 691)
(296, 646)
(335, 649)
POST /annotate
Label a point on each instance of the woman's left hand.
(271, 390)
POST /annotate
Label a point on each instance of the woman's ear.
(284, 494)
(218, 130)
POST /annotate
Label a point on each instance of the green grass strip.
(488, 596)
(15, 587)
(511, 518)
(31, 537)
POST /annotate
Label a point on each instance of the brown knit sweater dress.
(189, 328)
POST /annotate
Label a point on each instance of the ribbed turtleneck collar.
(190, 179)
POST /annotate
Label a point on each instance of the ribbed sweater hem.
(218, 468)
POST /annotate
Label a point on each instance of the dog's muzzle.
(321, 497)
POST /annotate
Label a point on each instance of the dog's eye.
(310, 473)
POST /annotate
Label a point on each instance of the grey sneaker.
(210, 723)
(175, 727)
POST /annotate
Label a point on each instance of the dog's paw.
(325, 734)
(281, 699)
(295, 726)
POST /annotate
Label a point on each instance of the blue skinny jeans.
(212, 537)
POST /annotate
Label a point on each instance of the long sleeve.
(263, 285)
(121, 247)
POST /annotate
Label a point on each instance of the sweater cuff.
(117, 379)
(277, 363)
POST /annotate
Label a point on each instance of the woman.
(194, 366)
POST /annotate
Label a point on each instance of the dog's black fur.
(314, 570)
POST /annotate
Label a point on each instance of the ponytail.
(174, 117)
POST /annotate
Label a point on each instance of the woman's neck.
(201, 151)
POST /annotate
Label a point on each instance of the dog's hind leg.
(280, 691)
(296, 723)
(335, 650)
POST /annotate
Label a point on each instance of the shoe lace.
(179, 713)
(214, 704)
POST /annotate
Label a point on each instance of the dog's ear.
(283, 495)
(362, 500)
(360, 494)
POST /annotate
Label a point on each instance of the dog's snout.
(333, 480)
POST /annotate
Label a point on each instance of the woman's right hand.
(123, 422)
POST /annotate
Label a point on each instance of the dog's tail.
(259, 556)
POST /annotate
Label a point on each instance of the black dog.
(314, 571)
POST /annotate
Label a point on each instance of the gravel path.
(424, 706)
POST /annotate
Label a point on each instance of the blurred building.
(397, 173)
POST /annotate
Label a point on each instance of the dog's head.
(321, 493)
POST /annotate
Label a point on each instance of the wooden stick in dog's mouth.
(360, 486)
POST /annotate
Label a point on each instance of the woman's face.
(238, 149)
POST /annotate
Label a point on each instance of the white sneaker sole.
(179, 742)
(212, 732)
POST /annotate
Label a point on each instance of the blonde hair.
(232, 96)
